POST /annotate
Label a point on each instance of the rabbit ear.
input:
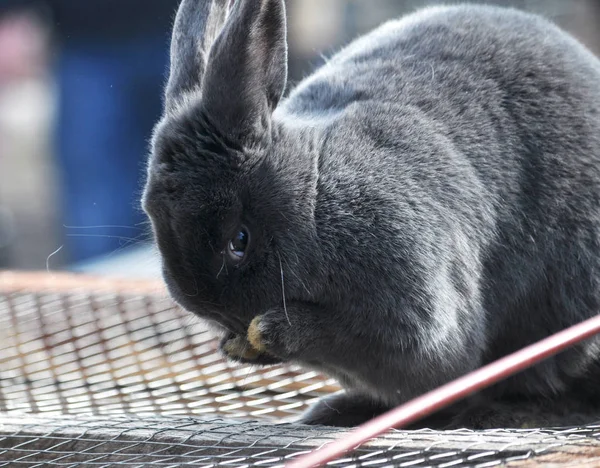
(197, 24)
(246, 72)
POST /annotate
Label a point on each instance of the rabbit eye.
(237, 246)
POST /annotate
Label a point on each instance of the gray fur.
(428, 199)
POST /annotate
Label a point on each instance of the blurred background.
(80, 89)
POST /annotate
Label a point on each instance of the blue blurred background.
(80, 89)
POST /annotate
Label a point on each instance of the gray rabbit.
(426, 202)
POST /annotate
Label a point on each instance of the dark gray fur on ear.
(247, 69)
(197, 24)
(232, 55)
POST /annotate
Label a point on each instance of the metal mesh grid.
(105, 353)
(94, 373)
(170, 442)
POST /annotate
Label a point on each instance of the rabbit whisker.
(292, 270)
(129, 239)
(222, 267)
(103, 226)
(283, 290)
(124, 241)
(52, 255)
(250, 368)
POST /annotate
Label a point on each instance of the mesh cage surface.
(101, 373)
(103, 352)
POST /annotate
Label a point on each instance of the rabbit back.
(472, 133)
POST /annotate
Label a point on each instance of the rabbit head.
(227, 207)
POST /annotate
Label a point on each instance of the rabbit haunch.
(426, 202)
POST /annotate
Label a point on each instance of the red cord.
(451, 392)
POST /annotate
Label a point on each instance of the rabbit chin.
(217, 329)
(214, 315)
(218, 321)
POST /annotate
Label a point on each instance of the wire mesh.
(98, 373)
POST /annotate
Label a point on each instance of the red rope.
(451, 392)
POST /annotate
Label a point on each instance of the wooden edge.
(39, 282)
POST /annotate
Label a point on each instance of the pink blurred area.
(23, 43)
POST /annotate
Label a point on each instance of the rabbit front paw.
(273, 334)
(237, 348)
